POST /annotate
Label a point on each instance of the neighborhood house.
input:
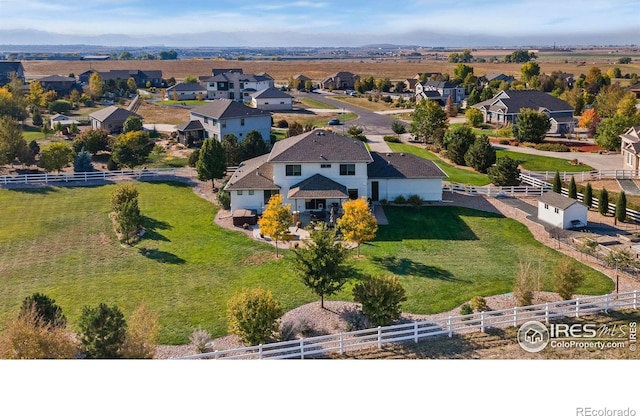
(234, 85)
(630, 145)
(111, 118)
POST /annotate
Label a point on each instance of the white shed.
(561, 211)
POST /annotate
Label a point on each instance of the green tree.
(628, 106)
(573, 189)
(171, 54)
(383, 84)
(190, 79)
(474, 117)
(60, 106)
(481, 155)
(123, 193)
(128, 220)
(276, 219)
(356, 224)
(193, 158)
(587, 196)
(531, 126)
(380, 297)
(472, 99)
(132, 123)
(96, 86)
(132, 149)
(461, 72)
(457, 142)
(520, 56)
(93, 141)
(82, 162)
(609, 98)
(529, 70)
(557, 183)
(505, 172)
(400, 87)
(211, 164)
(356, 132)
(322, 264)
(131, 85)
(36, 118)
(232, 150)
(12, 104)
(253, 316)
(253, 145)
(56, 156)
(603, 202)
(102, 331)
(36, 94)
(12, 142)
(567, 277)
(45, 309)
(429, 121)
(34, 147)
(621, 207)
(609, 130)
(398, 127)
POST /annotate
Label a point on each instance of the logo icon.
(533, 336)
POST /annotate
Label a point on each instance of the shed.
(561, 211)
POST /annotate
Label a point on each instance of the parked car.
(334, 122)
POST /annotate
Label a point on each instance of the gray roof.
(301, 77)
(254, 173)
(224, 108)
(270, 92)
(401, 166)
(319, 146)
(558, 201)
(318, 186)
(233, 76)
(10, 66)
(188, 86)
(439, 84)
(517, 100)
(113, 114)
(57, 78)
(190, 126)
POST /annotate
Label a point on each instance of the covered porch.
(317, 198)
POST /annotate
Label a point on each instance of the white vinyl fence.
(137, 174)
(420, 330)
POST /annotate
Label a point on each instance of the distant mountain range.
(290, 39)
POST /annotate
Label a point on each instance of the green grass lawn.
(543, 163)
(455, 174)
(309, 102)
(60, 241)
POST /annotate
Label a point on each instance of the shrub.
(603, 202)
(199, 339)
(193, 158)
(479, 304)
(282, 124)
(466, 309)
(503, 141)
(224, 199)
(398, 127)
(83, 162)
(552, 147)
(567, 277)
(142, 334)
(253, 315)
(354, 319)
(391, 139)
(384, 202)
(102, 331)
(400, 200)
(414, 200)
(45, 310)
(380, 297)
(60, 106)
(112, 165)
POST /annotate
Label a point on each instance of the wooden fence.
(420, 330)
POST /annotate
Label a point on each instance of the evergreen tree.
(102, 331)
(253, 145)
(505, 172)
(36, 118)
(587, 196)
(83, 162)
(481, 155)
(621, 207)
(45, 309)
(457, 142)
(603, 202)
(531, 126)
(573, 189)
(557, 183)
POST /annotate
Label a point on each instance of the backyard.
(60, 241)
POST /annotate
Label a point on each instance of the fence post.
(515, 316)
(578, 308)
(217, 355)
(302, 348)
(260, 352)
(85, 176)
(341, 344)
(415, 331)
(606, 303)
(46, 178)
(379, 337)
(546, 312)
(482, 321)
(635, 299)
(450, 328)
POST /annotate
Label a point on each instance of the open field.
(364, 103)
(543, 163)
(162, 114)
(575, 62)
(318, 120)
(60, 241)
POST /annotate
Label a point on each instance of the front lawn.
(309, 102)
(543, 163)
(60, 241)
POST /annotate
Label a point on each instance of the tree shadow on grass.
(407, 267)
(161, 256)
(151, 225)
(33, 189)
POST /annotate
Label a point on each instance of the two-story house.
(340, 81)
(185, 91)
(630, 149)
(321, 169)
(153, 77)
(61, 85)
(224, 116)
(505, 106)
(9, 69)
(439, 91)
(235, 85)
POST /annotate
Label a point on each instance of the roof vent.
(401, 154)
(388, 154)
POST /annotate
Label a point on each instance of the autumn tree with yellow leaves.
(357, 224)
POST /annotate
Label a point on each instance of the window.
(239, 193)
(242, 85)
(546, 206)
(556, 210)
(250, 191)
(242, 122)
(293, 170)
(224, 124)
(325, 166)
(348, 169)
(353, 193)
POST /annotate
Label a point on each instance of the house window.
(242, 122)
(281, 102)
(266, 103)
(250, 191)
(293, 170)
(325, 166)
(348, 169)
(224, 124)
(239, 193)
(556, 210)
(242, 85)
(353, 193)
(546, 206)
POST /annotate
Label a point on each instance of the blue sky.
(334, 22)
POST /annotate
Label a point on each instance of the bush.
(142, 334)
(193, 158)
(224, 199)
(282, 124)
(391, 139)
(112, 165)
(354, 319)
(552, 147)
(199, 339)
(466, 309)
(380, 297)
(45, 310)
(479, 304)
(60, 106)
(253, 316)
(384, 202)
(503, 141)
(567, 278)
(414, 200)
(400, 200)
(102, 331)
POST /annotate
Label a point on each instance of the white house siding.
(562, 218)
(247, 201)
(427, 189)
(218, 129)
(358, 181)
(272, 104)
